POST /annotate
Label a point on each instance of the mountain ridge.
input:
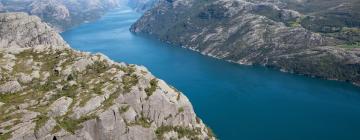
(254, 32)
(61, 14)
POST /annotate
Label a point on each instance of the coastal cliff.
(50, 91)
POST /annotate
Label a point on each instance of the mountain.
(61, 14)
(317, 38)
(50, 91)
(142, 5)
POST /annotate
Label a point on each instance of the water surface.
(237, 102)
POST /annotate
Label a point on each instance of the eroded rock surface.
(77, 95)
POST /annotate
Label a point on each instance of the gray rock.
(60, 107)
(10, 87)
(81, 64)
(24, 78)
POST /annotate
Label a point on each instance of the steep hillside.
(61, 14)
(142, 5)
(49, 91)
(317, 38)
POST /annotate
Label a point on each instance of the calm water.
(237, 102)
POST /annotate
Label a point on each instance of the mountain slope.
(61, 14)
(142, 5)
(49, 91)
(275, 33)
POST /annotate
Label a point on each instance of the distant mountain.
(142, 5)
(61, 14)
(318, 38)
(49, 91)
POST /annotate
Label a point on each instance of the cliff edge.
(50, 91)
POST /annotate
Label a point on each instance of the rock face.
(13, 31)
(295, 36)
(77, 95)
(61, 14)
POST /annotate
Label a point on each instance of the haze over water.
(237, 102)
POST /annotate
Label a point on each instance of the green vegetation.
(69, 91)
(124, 109)
(350, 46)
(5, 136)
(150, 90)
(98, 89)
(41, 121)
(5, 118)
(84, 99)
(181, 109)
(294, 24)
(142, 121)
(110, 101)
(129, 82)
(182, 132)
(56, 129)
(71, 125)
(129, 69)
(98, 67)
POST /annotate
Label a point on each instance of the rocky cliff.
(317, 38)
(61, 14)
(49, 91)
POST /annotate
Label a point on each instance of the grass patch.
(110, 101)
(182, 132)
(142, 121)
(69, 91)
(84, 99)
(97, 68)
(71, 125)
(5, 118)
(5, 136)
(181, 109)
(129, 82)
(129, 69)
(124, 109)
(150, 90)
(350, 46)
(56, 129)
(40, 121)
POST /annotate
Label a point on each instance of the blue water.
(237, 102)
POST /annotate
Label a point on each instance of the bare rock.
(10, 87)
(60, 107)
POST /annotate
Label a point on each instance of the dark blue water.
(237, 102)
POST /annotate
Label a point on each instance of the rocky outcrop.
(274, 33)
(21, 30)
(49, 91)
(62, 14)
